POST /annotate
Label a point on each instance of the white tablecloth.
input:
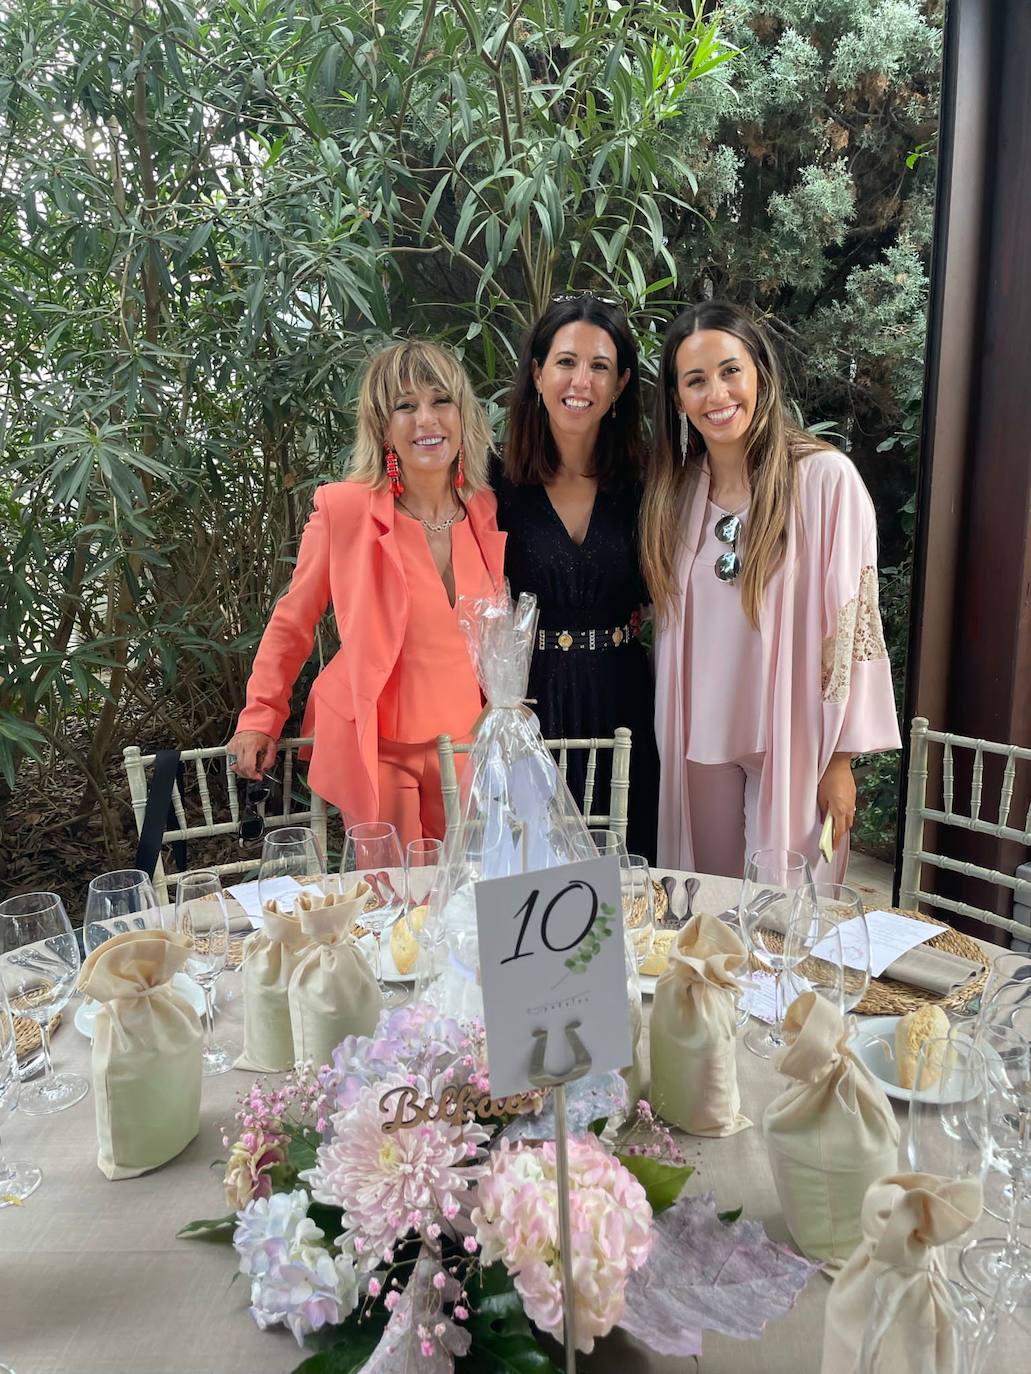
(94, 1281)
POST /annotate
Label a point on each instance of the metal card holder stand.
(541, 1079)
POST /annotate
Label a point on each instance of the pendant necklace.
(434, 529)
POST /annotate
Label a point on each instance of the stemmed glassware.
(372, 854)
(638, 905)
(1002, 1267)
(1006, 1001)
(118, 902)
(201, 915)
(821, 966)
(290, 855)
(842, 906)
(1008, 967)
(17, 1181)
(776, 907)
(39, 967)
(947, 1128)
(423, 859)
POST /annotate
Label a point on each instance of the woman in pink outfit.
(759, 544)
(392, 548)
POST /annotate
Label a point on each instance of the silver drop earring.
(685, 434)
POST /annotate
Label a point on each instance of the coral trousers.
(409, 789)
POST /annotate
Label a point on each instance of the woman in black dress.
(568, 499)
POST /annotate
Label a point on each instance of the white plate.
(875, 1046)
(86, 1012)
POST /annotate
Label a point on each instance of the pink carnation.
(517, 1222)
(390, 1184)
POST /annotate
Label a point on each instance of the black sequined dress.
(593, 585)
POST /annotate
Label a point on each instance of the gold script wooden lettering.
(454, 1106)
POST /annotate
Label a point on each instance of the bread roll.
(659, 956)
(403, 945)
(928, 1022)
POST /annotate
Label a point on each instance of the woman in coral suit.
(759, 544)
(392, 548)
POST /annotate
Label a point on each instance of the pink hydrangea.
(388, 1185)
(517, 1222)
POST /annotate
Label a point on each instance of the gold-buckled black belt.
(583, 639)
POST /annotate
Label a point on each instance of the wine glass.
(1002, 1267)
(638, 897)
(947, 1125)
(117, 902)
(17, 1181)
(290, 857)
(423, 867)
(202, 917)
(39, 967)
(1007, 1003)
(776, 892)
(821, 968)
(608, 842)
(1008, 967)
(372, 854)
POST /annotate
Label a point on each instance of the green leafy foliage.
(214, 1228)
(502, 1338)
(662, 1182)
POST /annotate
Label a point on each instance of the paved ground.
(871, 878)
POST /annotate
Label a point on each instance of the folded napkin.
(933, 970)
(906, 1218)
(332, 992)
(270, 956)
(694, 1031)
(146, 1058)
(829, 1135)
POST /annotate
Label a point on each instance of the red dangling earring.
(460, 474)
(393, 470)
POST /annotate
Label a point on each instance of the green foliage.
(209, 216)
(661, 1182)
(502, 1338)
(213, 1228)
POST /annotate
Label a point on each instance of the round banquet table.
(94, 1281)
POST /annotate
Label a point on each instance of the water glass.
(373, 855)
(947, 1126)
(776, 894)
(17, 1181)
(202, 917)
(1008, 967)
(39, 967)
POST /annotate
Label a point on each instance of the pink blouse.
(723, 662)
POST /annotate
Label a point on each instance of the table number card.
(551, 952)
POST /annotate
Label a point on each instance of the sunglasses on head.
(562, 296)
(252, 821)
(728, 565)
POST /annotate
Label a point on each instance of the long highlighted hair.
(415, 365)
(773, 447)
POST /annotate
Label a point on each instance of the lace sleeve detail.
(858, 638)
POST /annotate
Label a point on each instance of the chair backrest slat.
(138, 766)
(912, 892)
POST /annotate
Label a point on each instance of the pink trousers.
(723, 802)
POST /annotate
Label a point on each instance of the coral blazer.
(349, 556)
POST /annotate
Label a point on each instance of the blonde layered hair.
(773, 447)
(416, 365)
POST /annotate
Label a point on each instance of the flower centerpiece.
(385, 1204)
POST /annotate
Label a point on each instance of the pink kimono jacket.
(826, 678)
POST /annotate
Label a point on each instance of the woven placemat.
(886, 997)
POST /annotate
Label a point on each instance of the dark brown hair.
(531, 456)
(772, 449)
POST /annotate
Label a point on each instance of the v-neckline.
(562, 523)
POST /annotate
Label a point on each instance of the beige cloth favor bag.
(333, 992)
(146, 1052)
(270, 956)
(828, 1136)
(905, 1218)
(694, 1031)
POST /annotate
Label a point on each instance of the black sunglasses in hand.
(252, 822)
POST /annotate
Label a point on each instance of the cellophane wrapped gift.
(829, 1135)
(332, 992)
(270, 956)
(146, 1065)
(907, 1221)
(694, 1030)
(517, 814)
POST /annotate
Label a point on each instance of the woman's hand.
(255, 753)
(837, 794)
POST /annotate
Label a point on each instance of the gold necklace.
(434, 529)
